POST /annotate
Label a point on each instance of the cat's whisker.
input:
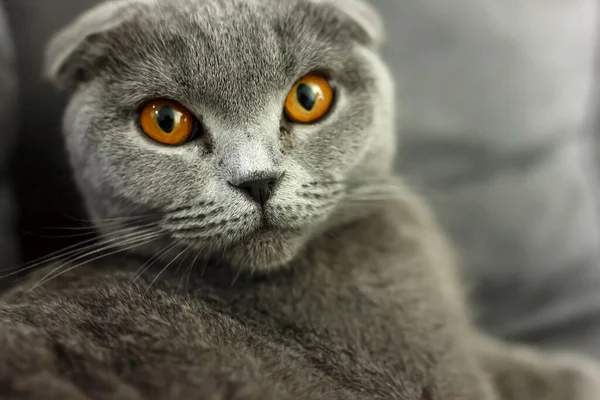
(196, 235)
(388, 190)
(95, 227)
(160, 7)
(53, 256)
(75, 249)
(204, 268)
(181, 261)
(87, 231)
(168, 265)
(321, 195)
(105, 246)
(47, 279)
(130, 244)
(132, 226)
(375, 197)
(351, 190)
(151, 261)
(91, 232)
(194, 226)
(191, 215)
(189, 271)
(175, 208)
(115, 219)
(77, 253)
(237, 276)
(323, 184)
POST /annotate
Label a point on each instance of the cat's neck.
(394, 229)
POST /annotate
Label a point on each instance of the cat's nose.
(258, 190)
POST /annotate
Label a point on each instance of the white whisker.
(76, 249)
(148, 264)
(168, 265)
(54, 274)
(189, 271)
(116, 219)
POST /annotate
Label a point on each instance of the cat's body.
(338, 324)
(334, 283)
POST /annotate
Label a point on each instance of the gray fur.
(349, 290)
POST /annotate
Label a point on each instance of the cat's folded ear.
(364, 15)
(73, 52)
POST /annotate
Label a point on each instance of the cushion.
(495, 117)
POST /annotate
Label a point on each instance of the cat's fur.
(350, 294)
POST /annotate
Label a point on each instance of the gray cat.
(250, 142)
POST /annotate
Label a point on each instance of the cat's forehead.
(213, 49)
(246, 17)
(259, 33)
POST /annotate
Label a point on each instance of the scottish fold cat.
(237, 157)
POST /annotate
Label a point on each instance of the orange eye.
(309, 100)
(167, 122)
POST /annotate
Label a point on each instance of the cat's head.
(235, 128)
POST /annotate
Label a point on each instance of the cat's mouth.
(268, 227)
(265, 224)
(257, 239)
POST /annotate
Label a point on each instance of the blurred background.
(499, 127)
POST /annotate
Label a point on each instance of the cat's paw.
(34, 366)
(27, 366)
(224, 389)
(49, 385)
(525, 374)
(579, 377)
(43, 385)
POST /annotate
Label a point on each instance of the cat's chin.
(265, 251)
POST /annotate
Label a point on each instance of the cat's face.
(254, 172)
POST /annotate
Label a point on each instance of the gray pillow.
(8, 118)
(494, 109)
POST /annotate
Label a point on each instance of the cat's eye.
(167, 122)
(309, 100)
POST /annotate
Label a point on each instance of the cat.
(252, 142)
